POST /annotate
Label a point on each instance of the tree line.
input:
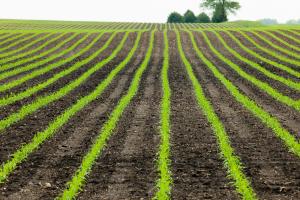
(221, 9)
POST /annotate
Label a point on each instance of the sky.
(138, 10)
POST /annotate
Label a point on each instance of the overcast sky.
(137, 10)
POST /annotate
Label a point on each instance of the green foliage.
(219, 14)
(221, 9)
(165, 180)
(203, 18)
(227, 5)
(175, 17)
(189, 17)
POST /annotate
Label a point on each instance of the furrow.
(20, 155)
(232, 162)
(34, 61)
(107, 129)
(273, 63)
(15, 71)
(27, 48)
(271, 52)
(290, 141)
(260, 84)
(12, 98)
(43, 101)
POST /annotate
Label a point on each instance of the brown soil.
(286, 39)
(260, 52)
(127, 167)
(50, 47)
(18, 38)
(45, 76)
(197, 169)
(282, 88)
(264, 44)
(39, 120)
(243, 53)
(273, 171)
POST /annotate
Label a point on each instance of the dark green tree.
(203, 18)
(219, 15)
(175, 17)
(189, 17)
(221, 8)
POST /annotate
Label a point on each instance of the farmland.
(92, 110)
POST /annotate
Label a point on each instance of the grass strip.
(231, 161)
(287, 82)
(20, 49)
(258, 83)
(271, 122)
(44, 100)
(20, 155)
(77, 181)
(253, 53)
(40, 71)
(22, 56)
(273, 53)
(10, 99)
(277, 47)
(165, 178)
(44, 56)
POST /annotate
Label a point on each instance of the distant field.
(92, 110)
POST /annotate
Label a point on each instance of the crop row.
(30, 91)
(39, 38)
(165, 180)
(39, 71)
(14, 57)
(232, 162)
(266, 60)
(6, 44)
(270, 121)
(27, 63)
(45, 100)
(77, 181)
(260, 84)
(20, 155)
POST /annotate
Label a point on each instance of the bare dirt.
(127, 167)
